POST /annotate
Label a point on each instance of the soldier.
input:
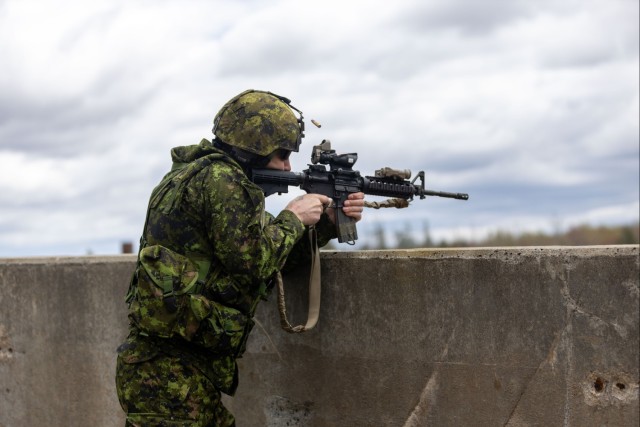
(208, 254)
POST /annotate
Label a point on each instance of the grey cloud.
(471, 18)
(63, 126)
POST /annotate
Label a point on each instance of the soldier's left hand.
(353, 207)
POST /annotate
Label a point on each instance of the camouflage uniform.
(207, 210)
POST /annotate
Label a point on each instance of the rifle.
(341, 180)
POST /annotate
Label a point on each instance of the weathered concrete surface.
(61, 320)
(473, 337)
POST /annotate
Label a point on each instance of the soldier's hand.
(309, 208)
(353, 207)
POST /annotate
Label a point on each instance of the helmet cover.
(259, 122)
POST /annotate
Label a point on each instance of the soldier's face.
(280, 161)
(278, 164)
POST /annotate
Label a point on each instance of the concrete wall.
(474, 337)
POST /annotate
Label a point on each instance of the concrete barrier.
(455, 337)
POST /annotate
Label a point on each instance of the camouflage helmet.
(260, 123)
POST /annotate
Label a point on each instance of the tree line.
(582, 235)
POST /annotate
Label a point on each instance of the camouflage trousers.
(166, 392)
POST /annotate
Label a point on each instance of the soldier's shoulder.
(225, 171)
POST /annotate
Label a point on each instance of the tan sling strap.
(314, 291)
(314, 279)
(389, 203)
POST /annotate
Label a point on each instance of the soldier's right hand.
(309, 207)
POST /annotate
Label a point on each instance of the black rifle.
(341, 180)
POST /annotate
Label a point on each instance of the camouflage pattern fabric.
(164, 289)
(207, 210)
(166, 392)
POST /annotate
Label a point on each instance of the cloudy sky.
(530, 106)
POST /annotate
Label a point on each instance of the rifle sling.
(397, 203)
(314, 291)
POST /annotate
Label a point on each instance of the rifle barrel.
(459, 196)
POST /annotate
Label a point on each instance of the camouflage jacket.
(215, 216)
